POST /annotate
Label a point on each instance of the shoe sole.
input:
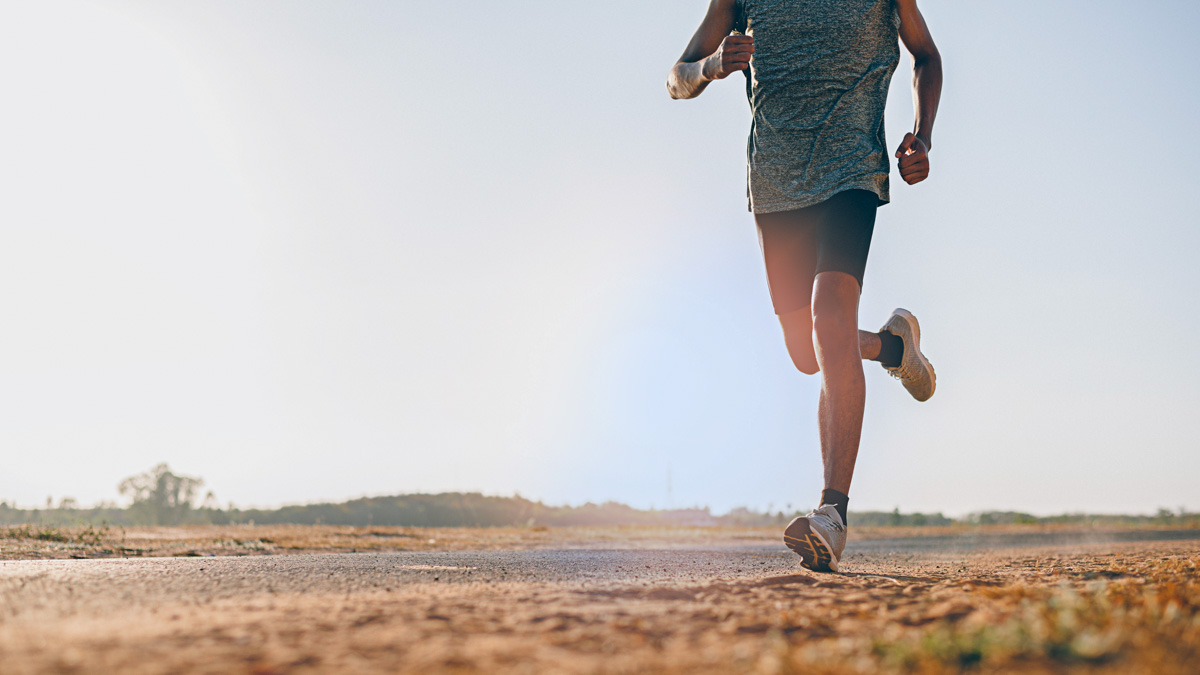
(812, 548)
(914, 327)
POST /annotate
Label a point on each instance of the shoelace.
(825, 521)
(901, 372)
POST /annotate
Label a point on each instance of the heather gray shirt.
(817, 86)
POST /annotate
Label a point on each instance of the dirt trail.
(713, 606)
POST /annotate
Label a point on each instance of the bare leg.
(869, 345)
(798, 334)
(843, 387)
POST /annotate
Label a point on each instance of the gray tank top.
(817, 86)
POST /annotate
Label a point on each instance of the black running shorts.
(833, 236)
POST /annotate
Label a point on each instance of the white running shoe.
(818, 538)
(914, 372)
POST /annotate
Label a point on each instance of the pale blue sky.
(316, 250)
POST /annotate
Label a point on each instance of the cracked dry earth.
(1112, 608)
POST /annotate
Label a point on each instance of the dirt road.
(912, 604)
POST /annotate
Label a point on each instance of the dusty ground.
(613, 600)
(34, 542)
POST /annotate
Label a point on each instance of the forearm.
(927, 92)
(687, 80)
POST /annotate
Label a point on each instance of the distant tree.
(159, 496)
(210, 502)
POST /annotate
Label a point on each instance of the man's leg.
(815, 259)
(836, 346)
(843, 387)
(798, 336)
(833, 240)
(834, 256)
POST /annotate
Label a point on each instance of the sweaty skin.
(824, 337)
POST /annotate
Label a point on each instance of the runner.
(817, 75)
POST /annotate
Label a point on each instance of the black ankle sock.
(891, 349)
(839, 501)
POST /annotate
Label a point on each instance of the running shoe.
(914, 372)
(817, 538)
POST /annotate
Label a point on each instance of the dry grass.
(1131, 614)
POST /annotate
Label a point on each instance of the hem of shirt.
(796, 204)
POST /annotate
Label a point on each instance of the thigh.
(843, 233)
(790, 251)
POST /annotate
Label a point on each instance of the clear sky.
(318, 250)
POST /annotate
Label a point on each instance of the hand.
(733, 55)
(913, 154)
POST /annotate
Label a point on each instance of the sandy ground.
(618, 600)
(41, 542)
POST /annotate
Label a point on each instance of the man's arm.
(927, 91)
(713, 53)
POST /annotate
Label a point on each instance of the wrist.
(705, 67)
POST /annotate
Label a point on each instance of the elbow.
(676, 93)
(673, 89)
(679, 85)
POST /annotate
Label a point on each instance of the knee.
(798, 336)
(835, 310)
(834, 324)
(804, 356)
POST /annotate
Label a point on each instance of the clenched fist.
(733, 55)
(914, 159)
